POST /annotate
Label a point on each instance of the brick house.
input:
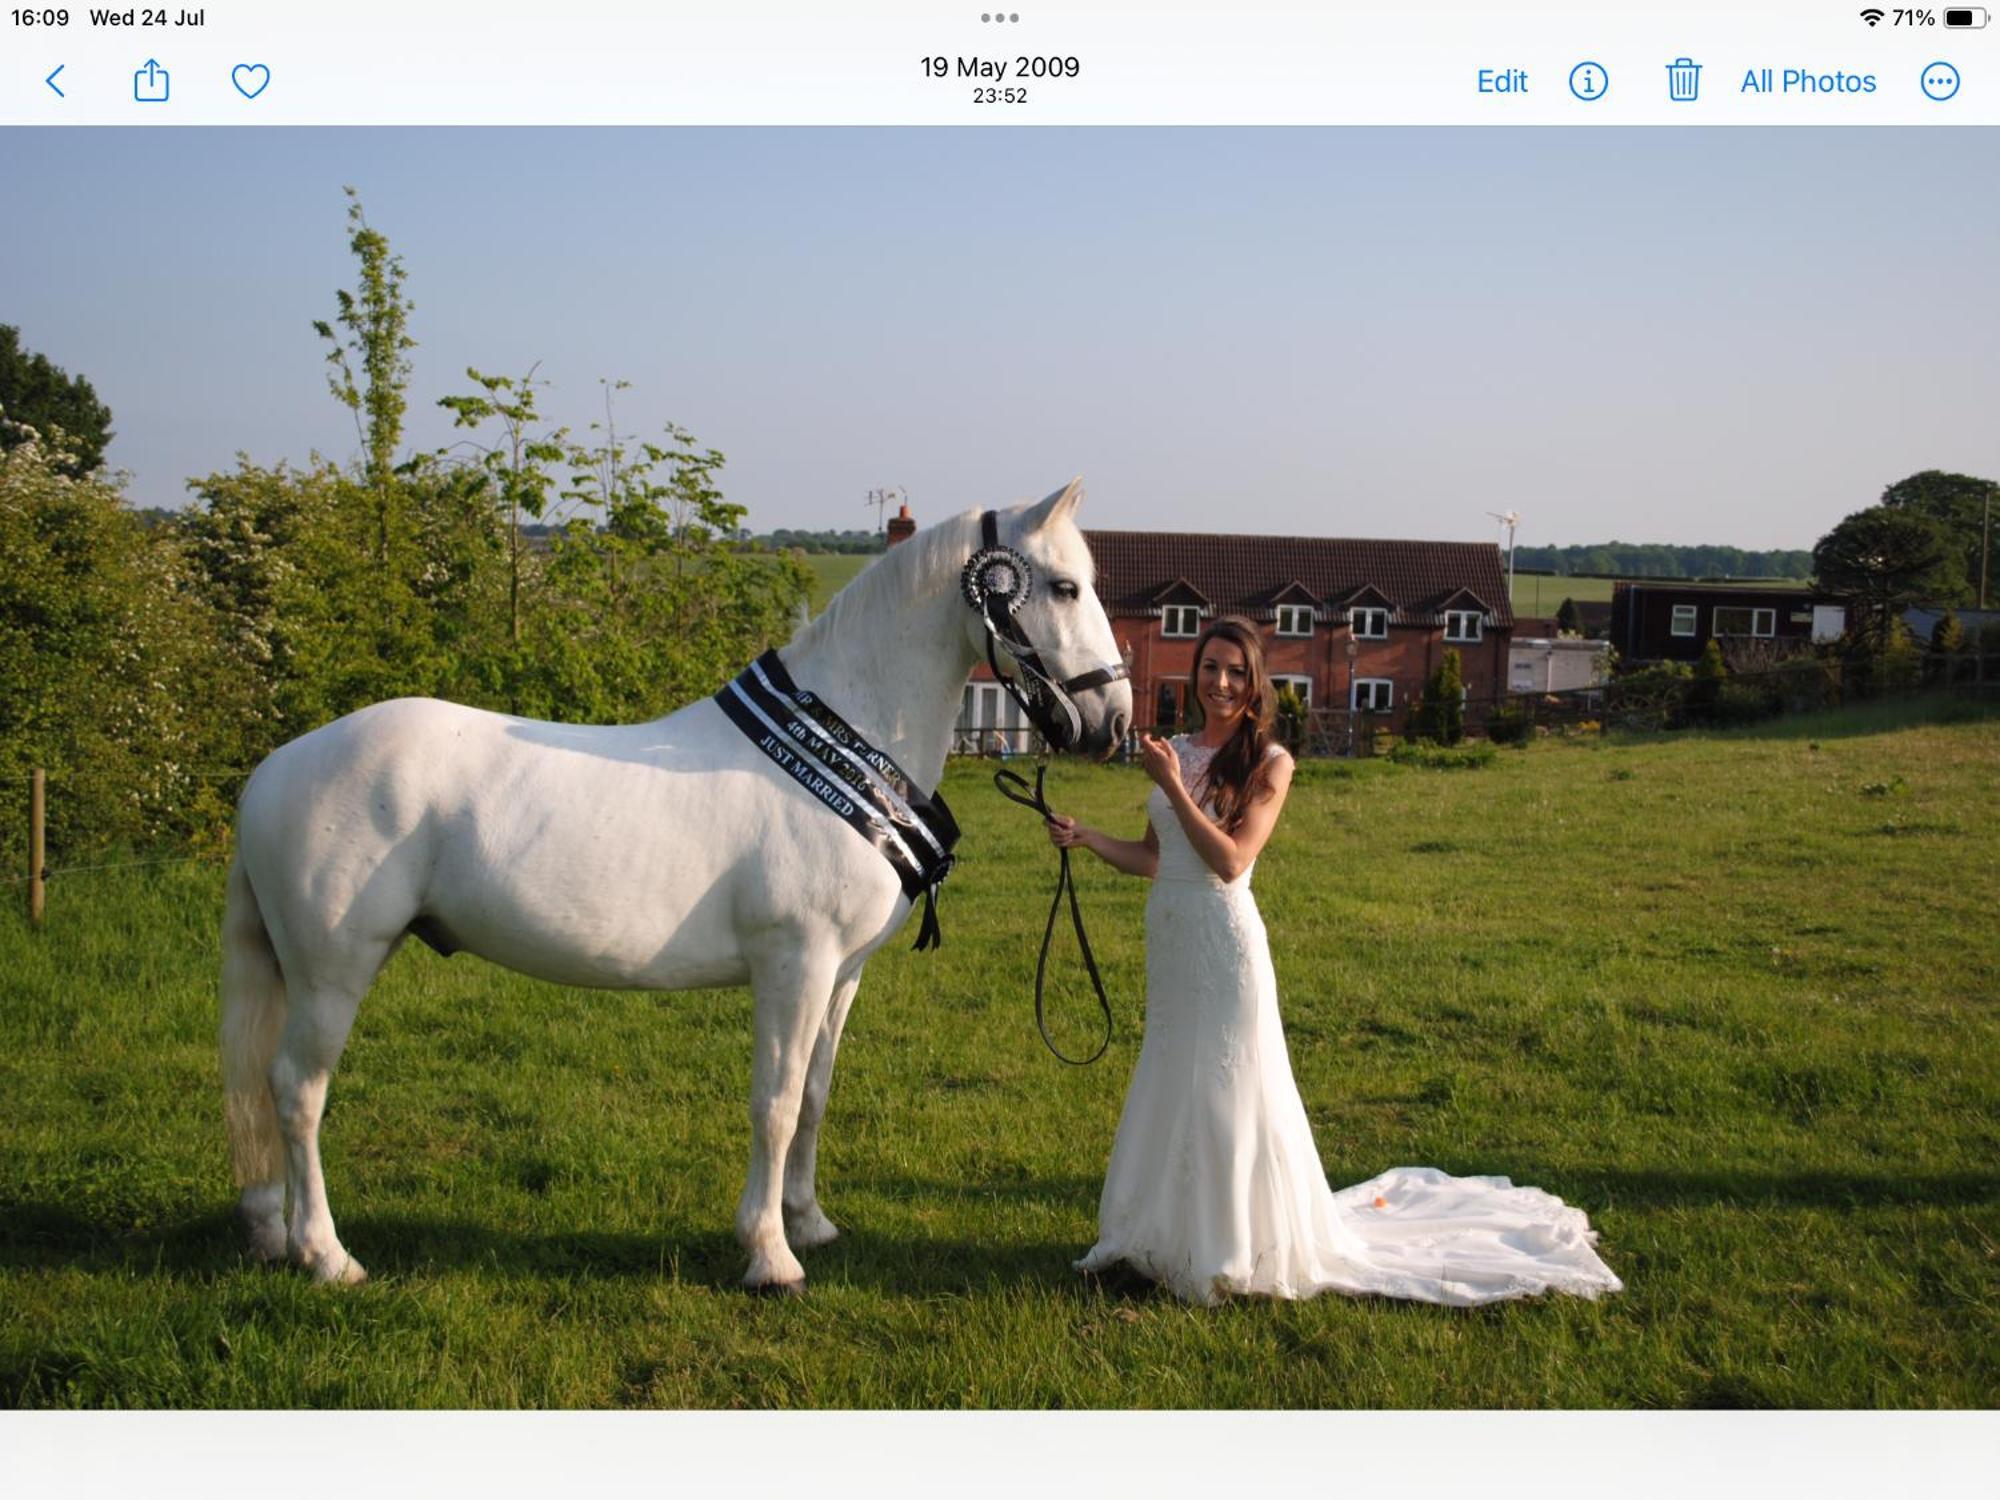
(1349, 623)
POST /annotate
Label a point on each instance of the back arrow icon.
(51, 81)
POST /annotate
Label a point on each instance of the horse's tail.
(253, 1014)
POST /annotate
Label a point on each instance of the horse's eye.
(1065, 589)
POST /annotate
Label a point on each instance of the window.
(1462, 624)
(1684, 619)
(1295, 619)
(1303, 686)
(1181, 619)
(989, 721)
(1375, 694)
(1369, 624)
(1737, 619)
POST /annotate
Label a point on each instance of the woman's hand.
(1158, 757)
(1067, 833)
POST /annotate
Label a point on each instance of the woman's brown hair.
(1237, 770)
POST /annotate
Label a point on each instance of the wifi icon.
(1871, 15)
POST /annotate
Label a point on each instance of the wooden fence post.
(37, 818)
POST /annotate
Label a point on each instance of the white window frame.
(1359, 617)
(989, 721)
(1461, 616)
(1389, 694)
(1759, 615)
(1295, 620)
(1688, 615)
(1304, 685)
(1173, 614)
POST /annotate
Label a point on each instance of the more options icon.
(1940, 81)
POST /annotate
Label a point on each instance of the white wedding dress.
(1215, 1186)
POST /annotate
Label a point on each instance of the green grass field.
(832, 572)
(1733, 994)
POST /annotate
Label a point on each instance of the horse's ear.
(1059, 506)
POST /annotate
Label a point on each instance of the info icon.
(1588, 81)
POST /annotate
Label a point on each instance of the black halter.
(996, 583)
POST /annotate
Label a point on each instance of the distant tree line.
(1656, 560)
(822, 541)
(149, 661)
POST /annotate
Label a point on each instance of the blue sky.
(1653, 335)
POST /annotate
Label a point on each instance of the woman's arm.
(1133, 856)
(1229, 855)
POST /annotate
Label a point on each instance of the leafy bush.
(1704, 693)
(1434, 757)
(112, 675)
(1739, 702)
(1804, 682)
(1510, 724)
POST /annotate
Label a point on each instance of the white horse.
(668, 855)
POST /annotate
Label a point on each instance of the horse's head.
(1045, 625)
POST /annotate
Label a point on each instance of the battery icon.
(1972, 18)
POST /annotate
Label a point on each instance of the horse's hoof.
(265, 1245)
(343, 1271)
(778, 1288)
(810, 1230)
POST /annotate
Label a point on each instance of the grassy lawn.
(1733, 994)
(834, 571)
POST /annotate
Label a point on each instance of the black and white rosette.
(996, 582)
(851, 778)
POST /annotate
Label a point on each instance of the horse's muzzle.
(1101, 740)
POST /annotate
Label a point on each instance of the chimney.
(902, 525)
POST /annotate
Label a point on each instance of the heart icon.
(250, 79)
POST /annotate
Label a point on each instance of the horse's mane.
(930, 561)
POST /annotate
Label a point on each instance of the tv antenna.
(880, 500)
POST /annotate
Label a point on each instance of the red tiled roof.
(1242, 574)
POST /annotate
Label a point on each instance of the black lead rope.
(1034, 801)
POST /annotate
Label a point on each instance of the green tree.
(518, 466)
(1883, 560)
(39, 396)
(1292, 715)
(376, 639)
(1706, 692)
(1440, 711)
(1900, 661)
(1569, 619)
(1960, 504)
(663, 603)
(374, 321)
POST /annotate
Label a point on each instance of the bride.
(1215, 1185)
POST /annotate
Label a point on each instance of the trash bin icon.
(1683, 80)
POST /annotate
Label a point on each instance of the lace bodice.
(1179, 859)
